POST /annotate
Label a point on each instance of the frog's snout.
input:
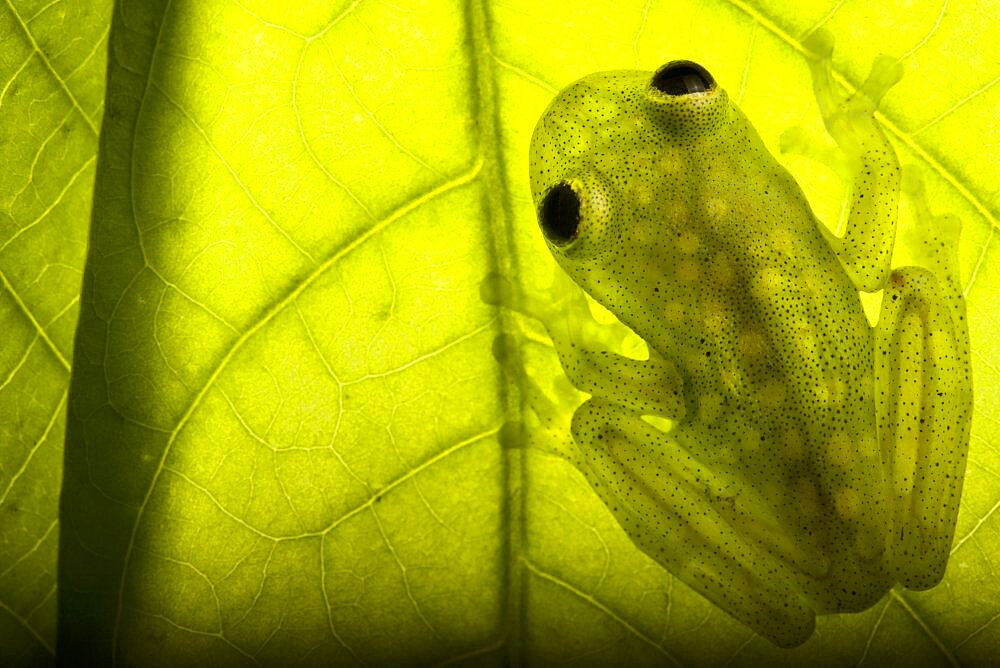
(559, 214)
(682, 77)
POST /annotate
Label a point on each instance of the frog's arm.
(865, 250)
(924, 393)
(650, 387)
(661, 497)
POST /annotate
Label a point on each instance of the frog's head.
(618, 158)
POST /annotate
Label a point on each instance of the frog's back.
(702, 243)
(777, 359)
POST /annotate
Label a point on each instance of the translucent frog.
(775, 451)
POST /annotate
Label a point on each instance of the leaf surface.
(52, 64)
(284, 416)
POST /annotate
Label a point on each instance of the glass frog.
(811, 460)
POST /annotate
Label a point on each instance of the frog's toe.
(547, 411)
(946, 226)
(495, 289)
(885, 73)
(798, 141)
(514, 435)
(818, 44)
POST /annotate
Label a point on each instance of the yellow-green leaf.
(52, 64)
(283, 441)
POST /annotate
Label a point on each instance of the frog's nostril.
(559, 214)
(682, 77)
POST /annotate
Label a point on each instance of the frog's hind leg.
(865, 250)
(662, 498)
(924, 393)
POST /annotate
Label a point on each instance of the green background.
(282, 443)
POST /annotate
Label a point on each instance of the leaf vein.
(233, 174)
(976, 527)
(55, 202)
(48, 65)
(27, 625)
(600, 606)
(308, 147)
(953, 108)
(875, 628)
(409, 474)
(923, 625)
(930, 33)
(30, 551)
(979, 263)
(237, 346)
(49, 343)
(402, 570)
(36, 447)
(905, 138)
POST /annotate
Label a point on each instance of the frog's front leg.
(924, 394)
(663, 498)
(865, 250)
(651, 387)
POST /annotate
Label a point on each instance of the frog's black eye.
(559, 214)
(682, 77)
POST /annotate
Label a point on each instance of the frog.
(773, 449)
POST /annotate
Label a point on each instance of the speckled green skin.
(813, 460)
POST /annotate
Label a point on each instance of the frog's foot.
(836, 108)
(545, 412)
(799, 141)
(586, 349)
(865, 250)
(662, 497)
(581, 344)
(923, 389)
(562, 310)
(934, 242)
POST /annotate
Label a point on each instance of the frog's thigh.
(659, 495)
(924, 391)
(865, 250)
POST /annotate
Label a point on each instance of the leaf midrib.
(496, 199)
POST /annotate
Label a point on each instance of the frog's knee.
(910, 287)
